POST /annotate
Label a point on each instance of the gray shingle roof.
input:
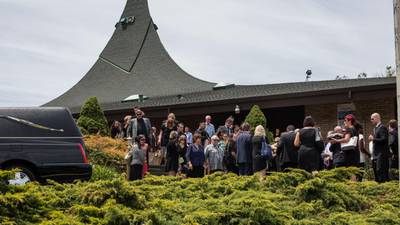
(135, 62)
(251, 91)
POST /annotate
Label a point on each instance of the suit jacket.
(132, 129)
(286, 150)
(393, 142)
(225, 129)
(381, 142)
(244, 148)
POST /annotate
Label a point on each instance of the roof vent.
(223, 85)
(135, 98)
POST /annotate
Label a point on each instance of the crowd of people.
(244, 151)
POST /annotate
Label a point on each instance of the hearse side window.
(29, 123)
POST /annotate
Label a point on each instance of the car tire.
(22, 177)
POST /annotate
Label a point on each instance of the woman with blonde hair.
(172, 117)
(259, 161)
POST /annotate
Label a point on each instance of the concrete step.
(157, 170)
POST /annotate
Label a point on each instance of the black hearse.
(44, 143)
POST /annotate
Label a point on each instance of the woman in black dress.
(182, 149)
(259, 162)
(165, 131)
(311, 146)
(230, 156)
(172, 163)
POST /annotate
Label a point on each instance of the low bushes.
(295, 197)
(292, 198)
(106, 151)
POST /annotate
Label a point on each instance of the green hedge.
(295, 197)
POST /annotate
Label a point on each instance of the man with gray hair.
(214, 156)
(381, 153)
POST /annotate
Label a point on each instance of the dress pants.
(136, 172)
(381, 169)
(245, 169)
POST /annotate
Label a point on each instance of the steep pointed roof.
(134, 62)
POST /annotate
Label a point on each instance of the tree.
(91, 119)
(256, 117)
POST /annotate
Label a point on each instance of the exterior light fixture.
(237, 109)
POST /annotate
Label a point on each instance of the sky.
(47, 46)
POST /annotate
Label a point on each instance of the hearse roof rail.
(29, 123)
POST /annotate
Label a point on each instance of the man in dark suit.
(381, 153)
(286, 151)
(228, 127)
(244, 151)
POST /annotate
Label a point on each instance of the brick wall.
(326, 115)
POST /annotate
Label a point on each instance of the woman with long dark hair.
(116, 130)
(230, 155)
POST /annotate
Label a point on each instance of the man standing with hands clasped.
(381, 153)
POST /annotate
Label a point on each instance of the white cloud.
(47, 46)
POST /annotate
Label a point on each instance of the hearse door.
(9, 151)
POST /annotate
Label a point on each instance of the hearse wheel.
(23, 176)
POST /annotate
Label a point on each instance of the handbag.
(266, 150)
(155, 158)
(319, 144)
(351, 145)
